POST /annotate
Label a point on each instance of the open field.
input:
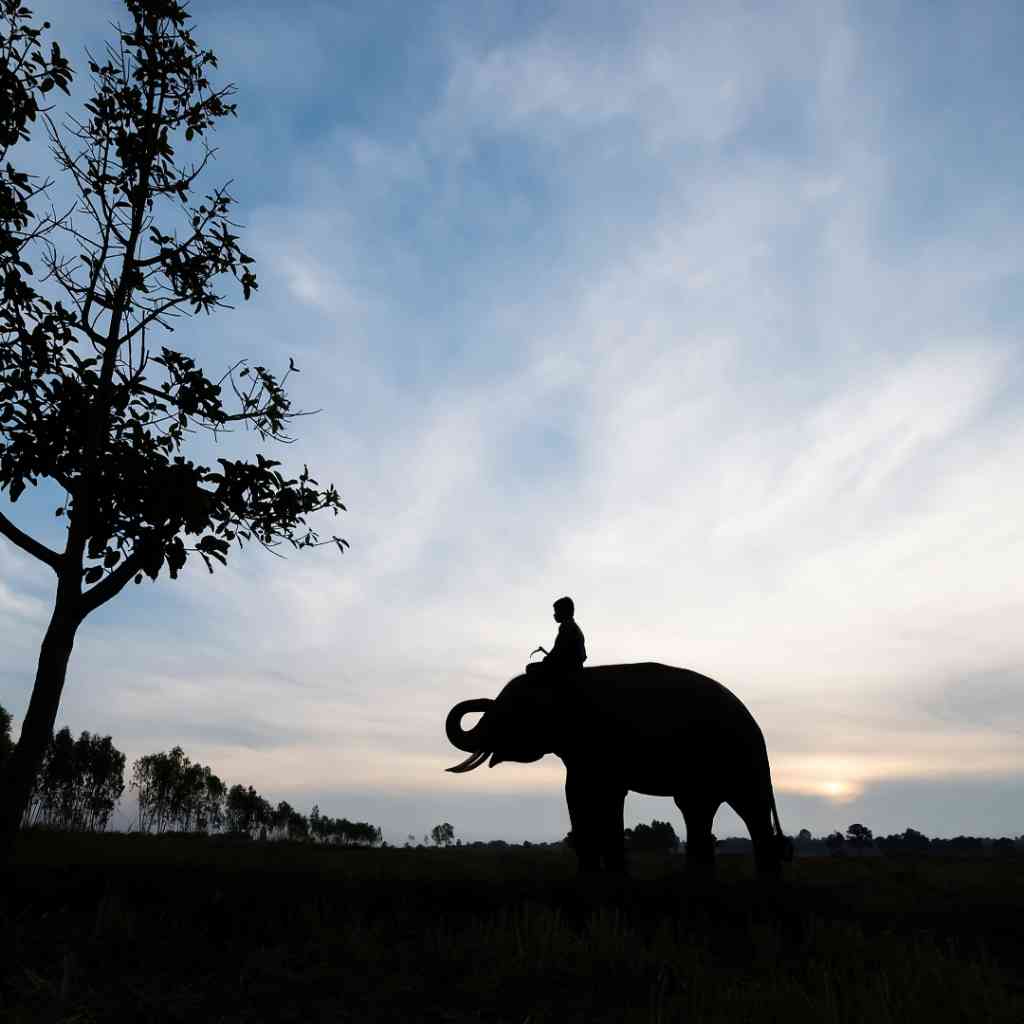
(104, 928)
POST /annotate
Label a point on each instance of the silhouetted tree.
(87, 400)
(78, 785)
(958, 844)
(443, 835)
(298, 826)
(176, 795)
(6, 743)
(659, 835)
(835, 841)
(210, 810)
(859, 836)
(909, 841)
(246, 811)
(341, 831)
(279, 819)
(317, 827)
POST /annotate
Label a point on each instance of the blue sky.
(709, 315)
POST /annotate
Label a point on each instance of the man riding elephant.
(569, 651)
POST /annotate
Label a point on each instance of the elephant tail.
(783, 843)
(775, 810)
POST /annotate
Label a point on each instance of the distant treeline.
(859, 838)
(81, 781)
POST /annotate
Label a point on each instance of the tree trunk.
(19, 772)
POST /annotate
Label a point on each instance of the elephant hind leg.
(699, 815)
(768, 851)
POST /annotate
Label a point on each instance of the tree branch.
(110, 586)
(29, 544)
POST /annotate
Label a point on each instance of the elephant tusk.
(471, 762)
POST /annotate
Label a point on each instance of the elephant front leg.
(699, 814)
(595, 812)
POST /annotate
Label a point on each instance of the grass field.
(121, 928)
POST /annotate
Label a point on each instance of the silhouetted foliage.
(27, 74)
(246, 811)
(78, 785)
(859, 836)
(659, 835)
(88, 397)
(176, 795)
(341, 831)
(6, 743)
(908, 841)
(442, 835)
(958, 844)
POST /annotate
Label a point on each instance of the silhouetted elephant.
(649, 728)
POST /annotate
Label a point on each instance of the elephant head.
(519, 725)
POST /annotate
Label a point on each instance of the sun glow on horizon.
(838, 791)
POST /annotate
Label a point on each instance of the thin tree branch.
(30, 544)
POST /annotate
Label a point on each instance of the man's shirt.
(569, 650)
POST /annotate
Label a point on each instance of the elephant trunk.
(471, 740)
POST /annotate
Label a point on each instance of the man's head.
(564, 609)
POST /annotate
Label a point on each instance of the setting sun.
(839, 791)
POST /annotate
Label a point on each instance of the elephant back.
(654, 701)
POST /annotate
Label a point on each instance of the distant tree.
(959, 844)
(153, 780)
(246, 811)
(835, 841)
(804, 836)
(859, 836)
(280, 817)
(79, 783)
(443, 835)
(317, 825)
(89, 399)
(210, 812)
(298, 826)
(354, 833)
(1004, 847)
(658, 836)
(909, 841)
(176, 795)
(914, 840)
(6, 743)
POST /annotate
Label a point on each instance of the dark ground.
(136, 928)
